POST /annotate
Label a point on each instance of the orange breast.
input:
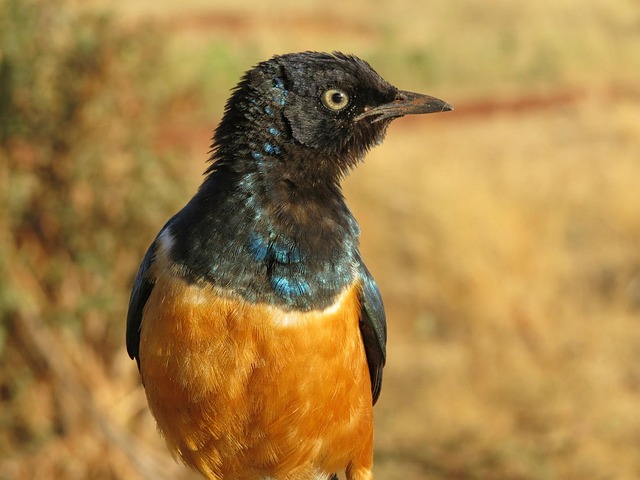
(244, 391)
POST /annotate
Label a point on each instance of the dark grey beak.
(406, 103)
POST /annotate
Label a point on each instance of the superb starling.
(258, 331)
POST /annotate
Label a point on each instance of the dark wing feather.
(142, 287)
(373, 328)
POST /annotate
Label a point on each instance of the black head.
(310, 115)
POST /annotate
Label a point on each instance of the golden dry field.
(504, 236)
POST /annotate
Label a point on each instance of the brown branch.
(36, 336)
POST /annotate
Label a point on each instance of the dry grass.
(505, 237)
(511, 268)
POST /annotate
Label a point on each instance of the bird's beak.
(406, 103)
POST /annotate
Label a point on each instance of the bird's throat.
(272, 241)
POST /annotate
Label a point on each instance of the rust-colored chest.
(249, 391)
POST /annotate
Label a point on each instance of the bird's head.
(321, 111)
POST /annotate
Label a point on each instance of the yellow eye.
(335, 99)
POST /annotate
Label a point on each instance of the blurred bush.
(79, 103)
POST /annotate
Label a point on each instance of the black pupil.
(337, 98)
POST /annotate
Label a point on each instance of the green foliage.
(81, 192)
(79, 105)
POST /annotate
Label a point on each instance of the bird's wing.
(373, 328)
(142, 287)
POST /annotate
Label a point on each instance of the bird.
(258, 331)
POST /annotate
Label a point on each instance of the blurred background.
(504, 236)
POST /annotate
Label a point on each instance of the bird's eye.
(335, 99)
